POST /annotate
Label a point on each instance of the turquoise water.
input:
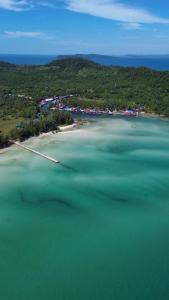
(93, 228)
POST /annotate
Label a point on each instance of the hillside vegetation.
(21, 87)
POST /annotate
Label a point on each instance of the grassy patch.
(7, 125)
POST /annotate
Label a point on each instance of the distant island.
(22, 88)
(156, 62)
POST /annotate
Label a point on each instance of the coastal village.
(63, 104)
(59, 103)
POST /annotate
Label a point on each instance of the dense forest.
(22, 87)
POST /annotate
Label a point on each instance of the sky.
(112, 27)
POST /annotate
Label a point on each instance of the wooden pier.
(37, 153)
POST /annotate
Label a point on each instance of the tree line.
(34, 127)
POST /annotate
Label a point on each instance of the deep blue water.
(27, 59)
(154, 62)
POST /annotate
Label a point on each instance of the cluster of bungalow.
(54, 100)
(96, 111)
(55, 103)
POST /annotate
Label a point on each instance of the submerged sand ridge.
(95, 227)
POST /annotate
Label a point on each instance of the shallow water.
(96, 226)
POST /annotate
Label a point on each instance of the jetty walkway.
(37, 153)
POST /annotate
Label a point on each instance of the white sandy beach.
(34, 141)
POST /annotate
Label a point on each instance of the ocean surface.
(155, 62)
(95, 227)
(27, 59)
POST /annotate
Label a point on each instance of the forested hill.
(73, 63)
(21, 87)
(4, 64)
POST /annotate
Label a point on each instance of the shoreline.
(154, 115)
(61, 128)
(50, 133)
(67, 127)
(71, 127)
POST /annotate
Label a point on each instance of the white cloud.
(115, 10)
(16, 5)
(26, 34)
(46, 4)
(132, 26)
(21, 5)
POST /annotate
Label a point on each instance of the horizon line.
(74, 54)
